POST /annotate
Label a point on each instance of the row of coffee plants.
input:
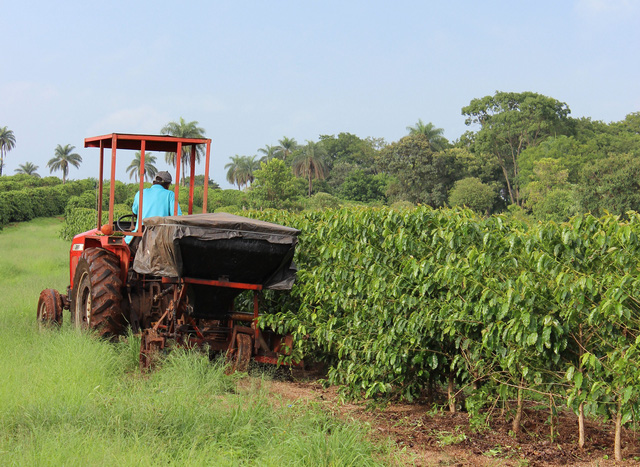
(78, 220)
(22, 181)
(497, 311)
(23, 201)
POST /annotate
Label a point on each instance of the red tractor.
(181, 282)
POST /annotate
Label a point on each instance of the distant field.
(67, 398)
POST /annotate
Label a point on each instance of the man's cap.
(164, 177)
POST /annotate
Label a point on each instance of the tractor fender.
(95, 239)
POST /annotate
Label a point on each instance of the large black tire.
(96, 297)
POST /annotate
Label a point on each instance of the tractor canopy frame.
(144, 143)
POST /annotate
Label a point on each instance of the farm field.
(69, 399)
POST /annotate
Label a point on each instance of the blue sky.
(251, 72)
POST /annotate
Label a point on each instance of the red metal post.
(256, 330)
(177, 181)
(206, 178)
(143, 146)
(100, 184)
(112, 188)
(192, 174)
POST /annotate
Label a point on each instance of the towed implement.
(178, 279)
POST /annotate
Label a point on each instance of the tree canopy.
(64, 157)
(310, 163)
(434, 135)
(523, 153)
(512, 122)
(150, 169)
(27, 168)
(7, 143)
(184, 129)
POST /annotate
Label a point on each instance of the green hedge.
(21, 181)
(399, 300)
(80, 219)
(27, 203)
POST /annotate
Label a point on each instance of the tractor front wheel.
(96, 295)
(49, 308)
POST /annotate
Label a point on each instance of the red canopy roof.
(153, 142)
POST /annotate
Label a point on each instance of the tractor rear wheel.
(96, 296)
(49, 308)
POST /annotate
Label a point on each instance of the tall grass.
(68, 398)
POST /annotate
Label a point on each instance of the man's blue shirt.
(158, 201)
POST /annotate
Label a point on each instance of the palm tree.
(286, 147)
(150, 170)
(248, 165)
(63, 157)
(429, 131)
(7, 143)
(240, 170)
(183, 129)
(269, 152)
(310, 163)
(28, 169)
(232, 171)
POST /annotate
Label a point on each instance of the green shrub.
(220, 198)
(81, 219)
(397, 300)
(44, 201)
(321, 201)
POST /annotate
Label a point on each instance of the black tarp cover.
(159, 250)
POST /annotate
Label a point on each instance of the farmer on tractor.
(159, 201)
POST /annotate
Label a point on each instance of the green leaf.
(434, 361)
(577, 380)
(570, 372)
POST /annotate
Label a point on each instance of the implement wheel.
(241, 355)
(150, 346)
(96, 295)
(49, 308)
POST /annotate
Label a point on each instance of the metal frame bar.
(143, 147)
(206, 178)
(231, 285)
(192, 174)
(100, 185)
(176, 189)
(112, 185)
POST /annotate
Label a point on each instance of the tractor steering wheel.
(132, 223)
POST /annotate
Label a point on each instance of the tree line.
(523, 153)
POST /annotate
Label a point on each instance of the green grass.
(68, 398)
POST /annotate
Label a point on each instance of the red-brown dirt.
(428, 437)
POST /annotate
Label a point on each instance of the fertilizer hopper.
(212, 258)
(218, 249)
